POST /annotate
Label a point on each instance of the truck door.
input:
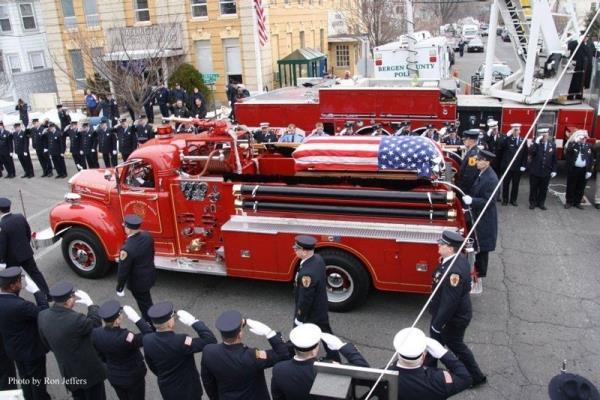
(139, 195)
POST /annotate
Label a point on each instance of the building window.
(69, 14)
(77, 68)
(342, 55)
(302, 40)
(322, 40)
(142, 13)
(204, 58)
(286, 1)
(233, 59)
(27, 16)
(91, 13)
(14, 63)
(199, 9)
(228, 7)
(4, 20)
(36, 59)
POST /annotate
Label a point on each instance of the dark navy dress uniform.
(21, 137)
(39, 137)
(19, 331)
(136, 265)
(6, 150)
(450, 308)
(236, 371)
(144, 133)
(543, 163)
(293, 379)
(426, 383)
(120, 350)
(468, 166)
(90, 147)
(509, 148)
(162, 98)
(576, 173)
(76, 146)
(15, 245)
(57, 148)
(487, 228)
(107, 141)
(127, 141)
(311, 288)
(170, 356)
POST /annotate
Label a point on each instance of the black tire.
(81, 242)
(356, 280)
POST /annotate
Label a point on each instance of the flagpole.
(257, 52)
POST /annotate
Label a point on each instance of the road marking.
(37, 214)
(47, 250)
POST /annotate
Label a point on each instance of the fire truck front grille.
(411, 233)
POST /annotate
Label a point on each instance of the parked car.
(499, 71)
(484, 30)
(475, 45)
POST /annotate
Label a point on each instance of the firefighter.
(452, 139)
(310, 288)
(427, 383)
(39, 136)
(579, 160)
(265, 134)
(170, 355)
(377, 130)
(468, 166)
(120, 350)
(487, 229)
(21, 137)
(7, 151)
(107, 143)
(76, 145)
(319, 130)
(293, 379)
(403, 129)
(509, 149)
(431, 133)
(57, 148)
(491, 142)
(110, 110)
(291, 135)
(143, 130)
(162, 98)
(541, 169)
(127, 139)
(63, 116)
(136, 264)
(450, 307)
(90, 145)
(232, 370)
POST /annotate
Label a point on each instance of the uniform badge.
(122, 255)
(472, 161)
(130, 337)
(454, 279)
(260, 354)
(306, 281)
(187, 341)
(448, 377)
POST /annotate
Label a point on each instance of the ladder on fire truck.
(540, 50)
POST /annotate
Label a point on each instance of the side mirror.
(107, 175)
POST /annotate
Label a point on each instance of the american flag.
(368, 153)
(261, 21)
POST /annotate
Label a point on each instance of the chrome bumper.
(46, 238)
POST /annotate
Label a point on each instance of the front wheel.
(348, 282)
(84, 253)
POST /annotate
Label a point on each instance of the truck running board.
(182, 264)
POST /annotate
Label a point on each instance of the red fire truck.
(218, 205)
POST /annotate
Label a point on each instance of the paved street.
(540, 306)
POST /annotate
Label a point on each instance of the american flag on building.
(261, 22)
(369, 153)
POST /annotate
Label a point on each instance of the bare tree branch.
(376, 19)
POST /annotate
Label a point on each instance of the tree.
(132, 61)
(445, 10)
(594, 33)
(189, 78)
(377, 18)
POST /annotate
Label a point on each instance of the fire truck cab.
(216, 204)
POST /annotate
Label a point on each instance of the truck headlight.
(72, 198)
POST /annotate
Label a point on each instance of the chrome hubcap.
(340, 285)
(82, 255)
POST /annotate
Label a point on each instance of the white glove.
(552, 175)
(131, 314)
(333, 342)
(93, 151)
(45, 150)
(121, 293)
(522, 169)
(588, 175)
(186, 318)
(260, 329)
(509, 133)
(467, 200)
(435, 348)
(83, 298)
(297, 323)
(2, 267)
(538, 139)
(12, 154)
(62, 154)
(114, 152)
(81, 152)
(25, 154)
(31, 287)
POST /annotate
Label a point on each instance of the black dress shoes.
(504, 203)
(479, 382)
(543, 208)
(597, 205)
(531, 207)
(579, 206)
(514, 203)
(567, 205)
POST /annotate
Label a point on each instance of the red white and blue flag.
(369, 153)
(261, 22)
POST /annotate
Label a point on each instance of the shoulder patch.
(306, 281)
(260, 354)
(472, 161)
(448, 377)
(454, 279)
(122, 255)
(130, 337)
(188, 341)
